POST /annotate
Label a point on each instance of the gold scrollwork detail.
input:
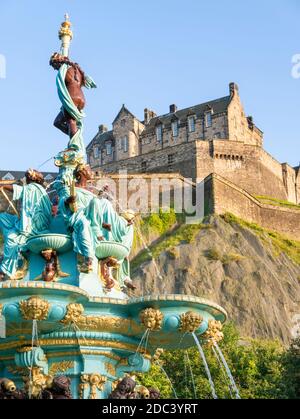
(214, 333)
(60, 367)
(93, 382)
(37, 381)
(110, 368)
(71, 342)
(190, 322)
(35, 308)
(75, 314)
(152, 319)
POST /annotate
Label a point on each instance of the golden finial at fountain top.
(65, 29)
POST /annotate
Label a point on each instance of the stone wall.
(228, 197)
(248, 166)
(221, 196)
(145, 192)
(241, 128)
(173, 159)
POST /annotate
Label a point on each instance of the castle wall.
(221, 196)
(289, 180)
(248, 166)
(183, 161)
(298, 185)
(228, 197)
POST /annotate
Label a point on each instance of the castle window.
(108, 149)
(96, 152)
(123, 122)
(170, 158)
(144, 166)
(175, 128)
(159, 133)
(191, 123)
(124, 143)
(208, 119)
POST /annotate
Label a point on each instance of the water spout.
(212, 386)
(168, 378)
(237, 394)
(223, 371)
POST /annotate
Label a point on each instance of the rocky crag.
(252, 272)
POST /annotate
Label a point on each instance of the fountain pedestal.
(93, 340)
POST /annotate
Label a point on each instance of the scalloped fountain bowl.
(107, 249)
(62, 243)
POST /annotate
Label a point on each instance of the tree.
(262, 369)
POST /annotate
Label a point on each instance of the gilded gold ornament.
(152, 319)
(60, 367)
(214, 333)
(92, 381)
(190, 322)
(110, 368)
(34, 308)
(75, 314)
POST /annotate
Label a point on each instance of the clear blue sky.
(148, 54)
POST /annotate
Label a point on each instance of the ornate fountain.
(64, 301)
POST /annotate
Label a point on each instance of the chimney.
(234, 89)
(250, 122)
(173, 108)
(102, 129)
(148, 115)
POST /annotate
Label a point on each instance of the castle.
(215, 137)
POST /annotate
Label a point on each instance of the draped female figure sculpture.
(70, 80)
(35, 218)
(92, 219)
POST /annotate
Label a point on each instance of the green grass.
(279, 242)
(225, 258)
(183, 233)
(277, 202)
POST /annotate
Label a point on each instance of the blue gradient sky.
(148, 54)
